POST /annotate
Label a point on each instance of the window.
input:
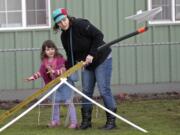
(170, 11)
(177, 10)
(24, 14)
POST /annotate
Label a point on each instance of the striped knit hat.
(59, 14)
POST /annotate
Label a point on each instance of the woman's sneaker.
(53, 124)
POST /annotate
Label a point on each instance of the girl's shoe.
(73, 126)
(53, 124)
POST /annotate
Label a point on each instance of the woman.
(80, 40)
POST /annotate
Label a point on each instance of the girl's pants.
(71, 111)
(66, 94)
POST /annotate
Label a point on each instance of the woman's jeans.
(101, 75)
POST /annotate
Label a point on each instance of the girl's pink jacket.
(56, 64)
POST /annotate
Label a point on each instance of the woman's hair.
(49, 44)
(56, 28)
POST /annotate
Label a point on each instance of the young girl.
(53, 65)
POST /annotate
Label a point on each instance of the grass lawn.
(159, 117)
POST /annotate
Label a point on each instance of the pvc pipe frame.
(64, 80)
(104, 108)
(32, 107)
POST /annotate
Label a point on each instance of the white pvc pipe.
(33, 106)
(76, 90)
(104, 108)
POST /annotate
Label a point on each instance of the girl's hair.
(49, 44)
(56, 28)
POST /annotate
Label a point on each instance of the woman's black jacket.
(86, 38)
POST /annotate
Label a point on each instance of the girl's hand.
(62, 70)
(89, 59)
(29, 78)
(50, 70)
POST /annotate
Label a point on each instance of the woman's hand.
(89, 59)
